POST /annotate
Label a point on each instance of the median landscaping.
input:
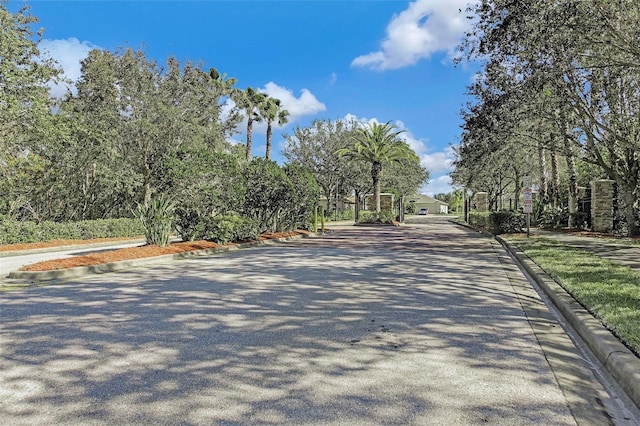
(145, 251)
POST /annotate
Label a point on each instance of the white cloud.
(305, 104)
(425, 27)
(68, 54)
(437, 185)
(438, 162)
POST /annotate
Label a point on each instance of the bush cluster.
(503, 222)
(220, 229)
(373, 217)
(15, 232)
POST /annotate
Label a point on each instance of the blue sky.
(370, 60)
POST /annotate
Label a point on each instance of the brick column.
(602, 205)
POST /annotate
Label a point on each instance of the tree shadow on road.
(392, 326)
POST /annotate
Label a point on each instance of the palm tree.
(378, 144)
(271, 111)
(250, 100)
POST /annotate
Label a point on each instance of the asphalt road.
(421, 324)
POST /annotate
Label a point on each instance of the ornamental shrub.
(157, 220)
(230, 228)
(384, 216)
(503, 222)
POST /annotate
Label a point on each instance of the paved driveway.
(421, 324)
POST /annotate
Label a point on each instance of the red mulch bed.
(57, 243)
(134, 252)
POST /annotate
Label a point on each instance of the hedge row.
(504, 222)
(14, 232)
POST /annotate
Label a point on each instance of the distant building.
(421, 201)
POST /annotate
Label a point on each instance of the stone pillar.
(602, 205)
(482, 201)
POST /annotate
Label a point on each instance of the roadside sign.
(527, 208)
(526, 182)
(527, 195)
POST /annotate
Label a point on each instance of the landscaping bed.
(145, 251)
(60, 243)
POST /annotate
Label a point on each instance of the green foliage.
(503, 222)
(551, 218)
(377, 145)
(269, 195)
(347, 214)
(303, 198)
(206, 183)
(14, 232)
(190, 225)
(24, 104)
(157, 219)
(229, 228)
(556, 85)
(382, 216)
(316, 148)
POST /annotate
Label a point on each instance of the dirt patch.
(135, 253)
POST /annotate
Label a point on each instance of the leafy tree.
(24, 107)
(204, 184)
(589, 50)
(316, 148)
(269, 194)
(92, 173)
(304, 197)
(378, 144)
(404, 177)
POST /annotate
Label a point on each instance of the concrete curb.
(13, 253)
(40, 276)
(619, 361)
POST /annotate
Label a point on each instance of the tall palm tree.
(250, 100)
(271, 111)
(378, 144)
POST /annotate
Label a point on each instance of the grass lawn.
(609, 291)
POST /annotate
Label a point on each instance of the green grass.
(611, 292)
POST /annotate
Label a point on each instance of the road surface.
(421, 324)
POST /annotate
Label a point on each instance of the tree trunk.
(627, 193)
(147, 184)
(573, 181)
(376, 174)
(544, 186)
(555, 175)
(268, 150)
(517, 187)
(249, 131)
